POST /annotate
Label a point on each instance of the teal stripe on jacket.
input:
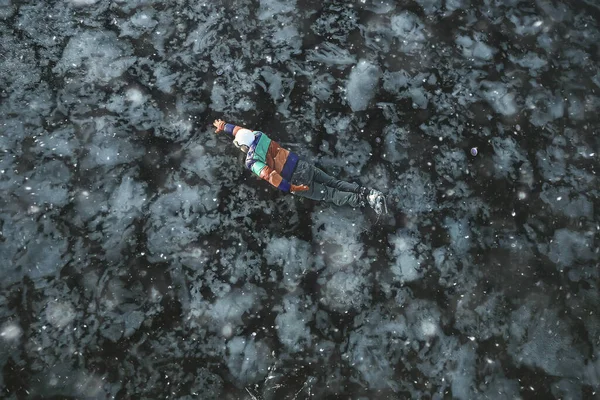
(262, 147)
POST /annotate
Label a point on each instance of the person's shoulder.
(251, 154)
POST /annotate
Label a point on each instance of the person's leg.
(320, 192)
(305, 175)
(322, 177)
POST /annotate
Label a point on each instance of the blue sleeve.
(229, 129)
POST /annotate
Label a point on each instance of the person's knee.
(340, 198)
(325, 193)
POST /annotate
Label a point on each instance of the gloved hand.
(298, 188)
(219, 124)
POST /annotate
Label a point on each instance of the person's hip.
(303, 174)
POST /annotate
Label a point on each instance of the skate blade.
(385, 209)
(382, 205)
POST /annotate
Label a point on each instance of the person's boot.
(363, 193)
(375, 199)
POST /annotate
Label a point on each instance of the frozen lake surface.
(139, 259)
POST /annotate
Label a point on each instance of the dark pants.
(324, 187)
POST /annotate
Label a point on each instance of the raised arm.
(222, 126)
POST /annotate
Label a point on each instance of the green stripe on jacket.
(257, 167)
(262, 147)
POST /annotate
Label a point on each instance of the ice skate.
(377, 202)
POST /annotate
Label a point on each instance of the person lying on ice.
(284, 170)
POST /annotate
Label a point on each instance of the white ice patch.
(139, 24)
(199, 161)
(227, 331)
(460, 235)
(143, 19)
(322, 88)
(375, 348)
(271, 8)
(124, 207)
(396, 81)
(61, 142)
(11, 331)
(60, 314)
(430, 6)
(508, 157)
(135, 96)
(90, 386)
(84, 2)
(576, 109)
(362, 85)
(423, 318)
(337, 232)
(557, 11)
(447, 264)
(230, 92)
(544, 106)
(482, 320)
(178, 217)
(128, 198)
(294, 255)
(205, 35)
(404, 86)
(540, 338)
(562, 199)
(165, 79)
(379, 6)
(463, 375)
(451, 164)
(395, 143)
(427, 329)
(346, 290)
(351, 154)
(525, 25)
(530, 60)
(228, 310)
(46, 254)
(499, 97)
(330, 54)
(248, 360)
(569, 247)
(293, 330)
(139, 112)
(453, 5)
(49, 184)
(553, 161)
(287, 41)
(407, 265)
(443, 129)
(482, 51)
(596, 79)
(410, 31)
(99, 53)
(279, 87)
(30, 247)
(414, 192)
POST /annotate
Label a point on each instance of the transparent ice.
(141, 260)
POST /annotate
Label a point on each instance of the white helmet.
(243, 137)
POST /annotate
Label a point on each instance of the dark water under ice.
(140, 260)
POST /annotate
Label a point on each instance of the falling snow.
(140, 259)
